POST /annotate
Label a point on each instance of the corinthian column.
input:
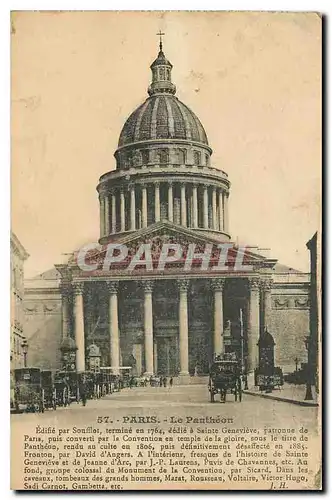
(183, 205)
(253, 324)
(114, 325)
(144, 206)
(79, 326)
(267, 286)
(157, 202)
(205, 208)
(226, 221)
(183, 326)
(132, 208)
(221, 211)
(214, 207)
(102, 215)
(170, 202)
(195, 206)
(65, 300)
(113, 203)
(218, 334)
(148, 327)
(122, 212)
(107, 214)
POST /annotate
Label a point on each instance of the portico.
(168, 326)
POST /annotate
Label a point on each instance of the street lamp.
(25, 351)
(308, 394)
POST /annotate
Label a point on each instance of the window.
(128, 160)
(162, 73)
(207, 160)
(197, 158)
(137, 158)
(168, 74)
(163, 156)
(145, 156)
(181, 156)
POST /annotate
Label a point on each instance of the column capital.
(156, 184)
(78, 288)
(112, 286)
(266, 284)
(218, 284)
(254, 283)
(183, 285)
(148, 286)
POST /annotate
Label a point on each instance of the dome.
(162, 116)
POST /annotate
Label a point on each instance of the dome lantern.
(161, 74)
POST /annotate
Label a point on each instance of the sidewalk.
(288, 393)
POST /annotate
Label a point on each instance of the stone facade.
(171, 320)
(18, 256)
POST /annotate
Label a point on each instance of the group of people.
(162, 381)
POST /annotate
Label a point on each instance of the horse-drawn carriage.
(28, 393)
(225, 377)
(67, 387)
(62, 390)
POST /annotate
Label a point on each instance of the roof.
(17, 246)
(162, 117)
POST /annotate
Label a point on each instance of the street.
(182, 401)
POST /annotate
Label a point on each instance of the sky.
(253, 79)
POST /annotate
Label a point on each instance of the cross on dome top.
(160, 34)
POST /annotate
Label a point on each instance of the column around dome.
(102, 214)
(144, 206)
(195, 207)
(113, 209)
(132, 208)
(157, 201)
(170, 201)
(183, 205)
(107, 214)
(122, 212)
(205, 208)
(221, 211)
(214, 208)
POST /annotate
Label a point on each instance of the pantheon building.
(166, 189)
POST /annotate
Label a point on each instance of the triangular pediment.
(164, 240)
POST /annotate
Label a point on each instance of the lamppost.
(25, 351)
(308, 394)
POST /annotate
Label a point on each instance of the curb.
(280, 398)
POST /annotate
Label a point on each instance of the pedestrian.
(161, 382)
(82, 389)
(171, 382)
(165, 381)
